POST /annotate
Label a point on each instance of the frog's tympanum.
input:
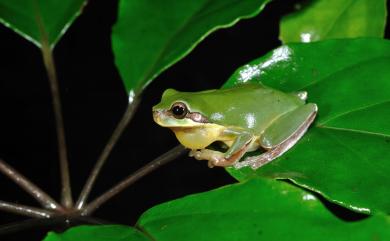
(240, 119)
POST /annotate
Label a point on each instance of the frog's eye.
(179, 110)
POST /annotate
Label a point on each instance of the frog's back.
(250, 106)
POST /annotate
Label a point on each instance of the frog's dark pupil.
(179, 110)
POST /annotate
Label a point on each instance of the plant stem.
(25, 210)
(127, 116)
(66, 192)
(148, 168)
(43, 198)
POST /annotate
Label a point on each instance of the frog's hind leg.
(282, 135)
(216, 158)
(231, 156)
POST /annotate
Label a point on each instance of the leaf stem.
(47, 55)
(25, 210)
(127, 116)
(66, 192)
(43, 198)
(148, 168)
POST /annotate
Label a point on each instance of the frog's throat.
(199, 137)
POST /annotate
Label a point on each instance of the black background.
(94, 99)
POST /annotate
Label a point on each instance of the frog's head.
(178, 109)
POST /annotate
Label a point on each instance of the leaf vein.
(354, 131)
(148, 76)
(363, 62)
(351, 111)
(342, 12)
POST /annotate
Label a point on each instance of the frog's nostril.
(156, 114)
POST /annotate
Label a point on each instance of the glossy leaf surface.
(345, 155)
(40, 20)
(98, 233)
(330, 19)
(150, 36)
(260, 209)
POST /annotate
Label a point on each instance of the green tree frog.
(242, 119)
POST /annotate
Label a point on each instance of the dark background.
(94, 99)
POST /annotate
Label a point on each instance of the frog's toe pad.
(196, 154)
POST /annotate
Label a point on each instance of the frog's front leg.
(231, 156)
(213, 157)
(282, 135)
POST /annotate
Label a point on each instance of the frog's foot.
(213, 157)
(216, 158)
(257, 161)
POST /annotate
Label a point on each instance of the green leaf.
(259, 209)
(330, 19)
(98, 233)
(345, 155)
(150, 36)
(40, 20)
